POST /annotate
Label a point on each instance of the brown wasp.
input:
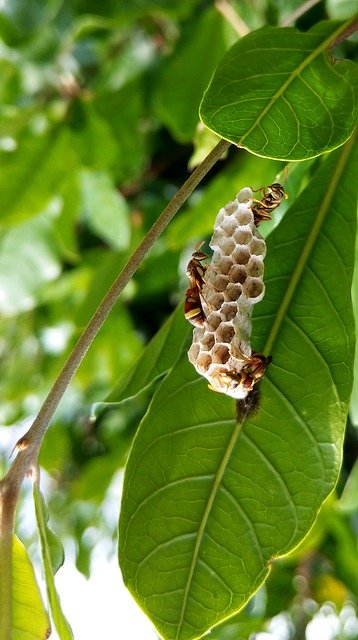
(272, 197)
(193, 309)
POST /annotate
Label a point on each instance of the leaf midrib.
(213, 492)
(296, 73)
(308, 246)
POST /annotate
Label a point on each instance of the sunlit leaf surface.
(30, 620)
(278, 93)
(204, 499)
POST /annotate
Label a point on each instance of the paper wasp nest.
(221, 350)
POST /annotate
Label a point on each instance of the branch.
(28, 446)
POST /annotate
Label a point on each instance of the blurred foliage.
(95, 137)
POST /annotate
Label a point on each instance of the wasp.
(244, 380)
(193, 308)
(272, 198)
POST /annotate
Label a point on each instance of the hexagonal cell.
(212, 299)
(233, 291)
(238, 274)
(225, 332)
(241, 255)
(228, 225)
(207, 341)
(203, 361)
(253, 287)
(230, 207)
(255, 266)
(194, 351)
(226, 245)
(213, 320)
(220, 282)
(258, 246)
(223, 265)
(244, 195)
(243, 235)
(245, 217)
(220, 354)
(228, 311)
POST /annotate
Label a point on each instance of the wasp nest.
(229, 288)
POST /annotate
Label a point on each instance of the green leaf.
(156, 359)
(91, 136)
(52, 559)
(208, 504)
(31, 176)
(30, 620)
(354, 400)
(278, 93)
(105, 208)
(21, 281)
(177, 103)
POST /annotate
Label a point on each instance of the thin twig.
(29, 445)
(232, 16)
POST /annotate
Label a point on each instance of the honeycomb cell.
(220, 354)
(238, 274)
(228, 311)
(243, 235)
(253, 288)
(204, 361)
(208, 341)
(225, 332)
(255, 266)
(233, 291)
(258, 246)
(213, 321)
(241, 254)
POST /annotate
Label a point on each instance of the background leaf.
(105, 209)
(52, 559)
(198, 536)
(268, 86)
(177, 103)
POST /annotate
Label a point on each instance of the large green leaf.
(208, 504)
(278, 93)
(52, 559)
(30, 620)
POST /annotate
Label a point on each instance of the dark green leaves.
(208, 505)
(279, 93)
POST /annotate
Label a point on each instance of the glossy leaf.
(278, 93)
(52, 559)
(207, 504)
(30, 620)
(354, 400)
